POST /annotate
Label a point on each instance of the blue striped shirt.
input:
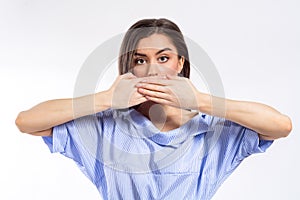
(127, 157)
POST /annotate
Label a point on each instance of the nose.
(153, 74)
(153, 70)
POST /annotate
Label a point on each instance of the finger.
(139, 96)
(153, 87)
(159, 100)
(155, 80)
(151, 93)
(141, 100)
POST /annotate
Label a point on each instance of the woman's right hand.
(40, 119)
(123, 93)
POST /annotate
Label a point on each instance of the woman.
(142, 140)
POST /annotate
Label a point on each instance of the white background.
(255, 46)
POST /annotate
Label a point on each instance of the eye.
(139, 61)
(163, 59)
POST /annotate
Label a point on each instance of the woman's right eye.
(140, 61)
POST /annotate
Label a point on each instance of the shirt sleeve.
(60, 136)
(76, 140)
(233, 144)
(249, 141)
(65, 140)
(239, 142)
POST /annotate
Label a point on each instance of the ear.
(180, 64)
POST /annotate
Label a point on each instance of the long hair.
(145, 28)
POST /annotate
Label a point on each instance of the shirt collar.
(145, 129)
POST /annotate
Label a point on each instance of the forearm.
(54, 112)
(263, 119)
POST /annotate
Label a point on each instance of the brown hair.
(145, 28)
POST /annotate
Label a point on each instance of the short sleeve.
(65, 140)
(72, 139)
(240, 142)
(251, 143)
(57, 142)
(76, 136)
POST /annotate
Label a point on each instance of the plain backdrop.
(255, 46)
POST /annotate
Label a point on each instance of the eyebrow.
(160, 51)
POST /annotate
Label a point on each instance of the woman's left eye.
(163, 59)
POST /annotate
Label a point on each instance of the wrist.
(204, 102)
(102, 101)
(211, 105)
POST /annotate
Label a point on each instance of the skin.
(157, 57)
(162, 96)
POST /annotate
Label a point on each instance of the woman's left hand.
(170, 90)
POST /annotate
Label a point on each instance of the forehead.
(155, 41)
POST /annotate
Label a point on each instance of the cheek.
(170, 67)
(140, 71)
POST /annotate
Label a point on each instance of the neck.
(164, 117)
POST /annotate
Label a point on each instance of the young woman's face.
(156, 55)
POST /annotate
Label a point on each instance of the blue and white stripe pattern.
(126, 157)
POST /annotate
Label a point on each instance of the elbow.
(20, 122)
(286, 126)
